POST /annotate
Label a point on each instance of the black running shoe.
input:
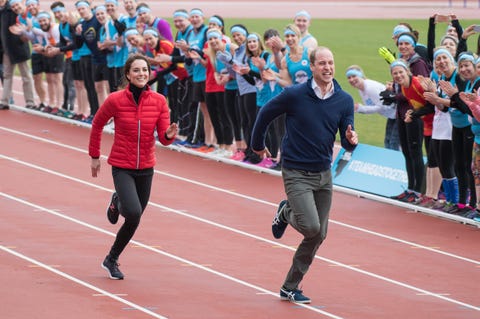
(112, 210)
(278, 225)
(111, 266)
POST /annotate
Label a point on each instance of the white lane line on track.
(78, 281)
(147, 247)
(231, 229)
(232, 193)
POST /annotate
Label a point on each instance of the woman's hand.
(171, 131)
(95, 166)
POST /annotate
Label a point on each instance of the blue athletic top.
(459, 119)
(196, 40)
(119, 55)
(299, 71)
(263, 89)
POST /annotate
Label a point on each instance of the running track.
(204, 248)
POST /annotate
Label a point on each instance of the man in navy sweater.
(315, 111)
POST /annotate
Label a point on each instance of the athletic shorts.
(54, 64)
(100, 72)
(76, 72)
(198, 94)
(38, 64)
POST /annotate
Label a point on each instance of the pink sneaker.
(266, 162)
(238, 156)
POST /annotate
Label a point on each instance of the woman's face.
(444, 65)
(252, 45)
(215, 43)
(238, 38)
(150, 40)
(101, 16)
(450, 45)
(139, 73)
(355, 81)
(467, 70)
(406, 49)
(400, 76)
(291, 40)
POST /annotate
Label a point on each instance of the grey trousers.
(309, 197)
(27, 81)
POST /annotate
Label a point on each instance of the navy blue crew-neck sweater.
(311, 125)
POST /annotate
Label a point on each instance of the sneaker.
(411, 198)
(472, 214)
(112, 210)
(439, 204)
(238, 156)
(295, 295)
(266, 163)
(279, 226)
(111, 266)
(426, 202)
(400, 196)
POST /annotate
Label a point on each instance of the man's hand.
(351, 136)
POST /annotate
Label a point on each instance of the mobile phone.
(476, 28)
(442, 18)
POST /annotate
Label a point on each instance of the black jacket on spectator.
(16, 49)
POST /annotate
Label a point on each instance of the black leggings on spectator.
(133, 190)
(231, 105)
(462, 142)
(411, 136)
(222, 123)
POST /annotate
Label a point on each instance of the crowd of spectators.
(217, 79)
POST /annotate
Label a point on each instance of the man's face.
(180, 23)
(33, 9)
(84, 12)
(196, 20)
(44, 24)
(129, 5)
(2, 3)
(60, 16)
(18, 8)
(323, 68)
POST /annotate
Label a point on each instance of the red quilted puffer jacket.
(134, 140)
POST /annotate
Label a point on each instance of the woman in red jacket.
(137, 111)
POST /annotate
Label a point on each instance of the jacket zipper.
(138, 145)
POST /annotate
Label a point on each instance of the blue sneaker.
(295, 295)
(278, 225)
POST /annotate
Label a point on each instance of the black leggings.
(462, 141)
(133, 189)
(441, 156)
(411, 136)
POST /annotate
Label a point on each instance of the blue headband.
(443, 51)
(354, 72)
(289, 31)
(466, 57)
(115, 2)
(303, 13)
(29, 2)
(214, 34)
(216, 20)
(398, 63)
(143, 10)
(100, 8)
(178, 14)
(196, 12)
(59, 9)
(80, 4)
(400, 29)
(253, 36)
(130, 32)
(43, 15)
(14, 1)
(477, 61)
(406, 38)
(151, 31)
(239, 30)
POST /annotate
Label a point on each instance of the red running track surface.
(204, 247)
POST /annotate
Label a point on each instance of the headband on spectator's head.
(401, 63)
(11, 2)
(100, 8)
(354, 72)
(115, 2)
(180, 14)
(43, 15)
(29, 2)
(80, 4)
(131, 31)
(238, 29)
(214, 34)
(143, 9)
(151, 31)
(399, 29)
(407, 37)
(303, 13)
(216, 20)
(196, 12)
(443, 51)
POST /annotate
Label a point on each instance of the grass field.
(357, 42)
